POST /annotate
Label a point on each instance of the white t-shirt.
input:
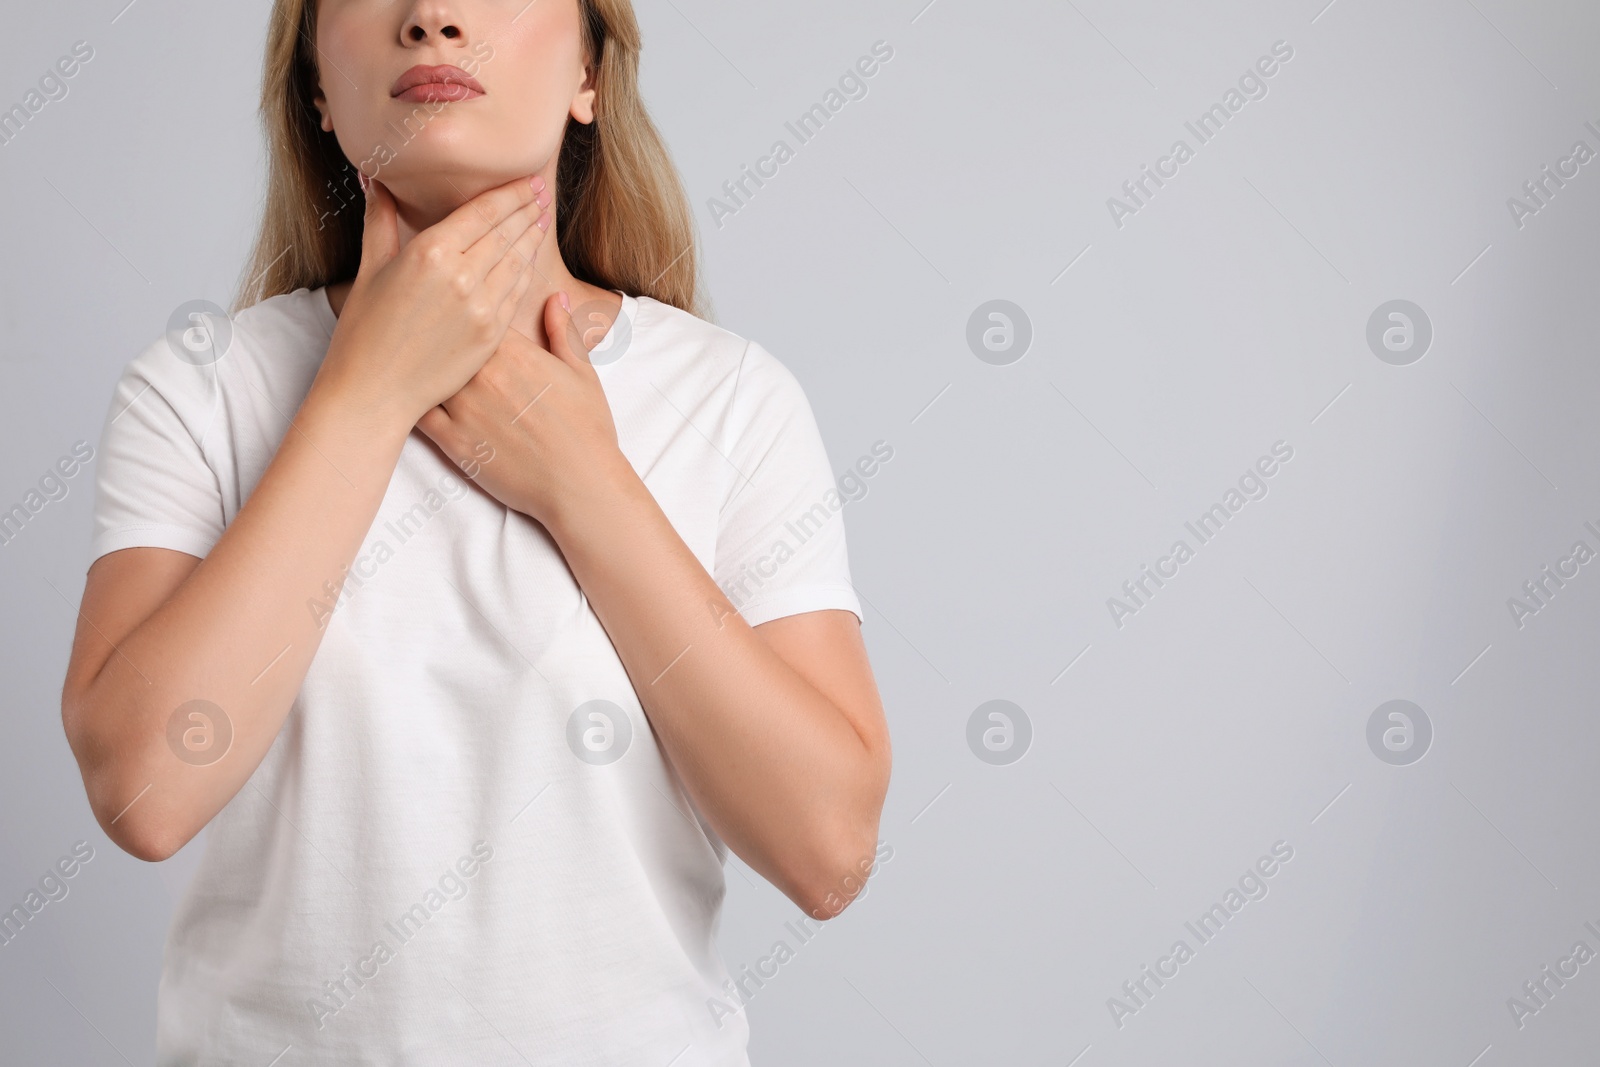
(449, 854)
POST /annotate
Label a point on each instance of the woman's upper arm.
(825, 648)
(122, 590)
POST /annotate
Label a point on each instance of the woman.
(472, 750)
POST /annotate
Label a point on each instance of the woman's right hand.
(421, 320)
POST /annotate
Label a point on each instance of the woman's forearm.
(777, 768)
(236, 633)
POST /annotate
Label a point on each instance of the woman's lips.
(424, 84)
(430, 91)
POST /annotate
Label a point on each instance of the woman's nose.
(431, 23)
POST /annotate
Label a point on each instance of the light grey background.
(1168, 354)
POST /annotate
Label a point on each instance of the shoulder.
(200, 340)
(297, 319)
(748, 371)
(666, 330)
(206, 356)
(202, 348)
(278, 345)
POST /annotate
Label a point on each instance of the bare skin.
(452, 324)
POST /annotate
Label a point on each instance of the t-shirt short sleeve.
(780, 546)
(153, 485)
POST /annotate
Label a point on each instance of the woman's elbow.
(144, 835)
(839, 873)
(112, 800)
(143, 843)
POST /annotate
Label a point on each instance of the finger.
(380, 233)
(518, 347)
(462, 227)
(487, 250)
(512, 302)
(435, 422)
(567, 336)
(513, 262)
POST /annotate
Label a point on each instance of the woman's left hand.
(544, 414)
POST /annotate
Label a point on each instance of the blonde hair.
(623, 220)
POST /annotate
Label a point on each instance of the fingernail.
(543, 221)
(366, 182)
(565, 303)
(537, 182)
